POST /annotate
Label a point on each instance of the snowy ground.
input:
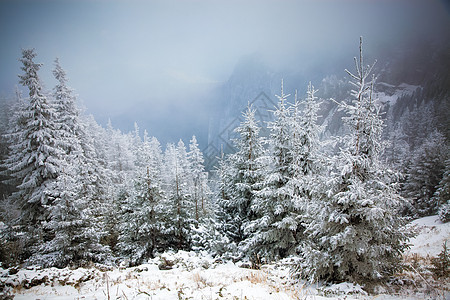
(198, 276)
(433, 234)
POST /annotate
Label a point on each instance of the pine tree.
(67, 113)
(76, 230)
(357, 233)
(307, 163)
(140, 230)
(142, 217)
(223, 217)
(36, 154)
(73, 220)
(8, 108)
(274, 228)
(442, 194)
(195, 158)
(96, 180)
(120, 158)
(180, 208)
(244, 170)
(424, 173)
(397, 151)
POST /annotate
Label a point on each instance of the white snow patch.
(384, 98)
(343, 288)
(392, 93)
(431, 237)
(408, 88)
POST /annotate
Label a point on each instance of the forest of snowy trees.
(76, 193)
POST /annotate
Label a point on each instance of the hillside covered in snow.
(190, 275)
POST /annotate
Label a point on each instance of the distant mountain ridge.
(404, 77)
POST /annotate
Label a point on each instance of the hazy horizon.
(124, 55)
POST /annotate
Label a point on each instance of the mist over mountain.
(414, 73)
(163, 62)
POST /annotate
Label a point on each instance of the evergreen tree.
(307, 163)
(75, 225)
(223, 216)
(36, 154)
(356, 233)
(76, 230)
(96, 183)
(274, 228)
(195, 158)
(397, 150)
(424, 173)
(180, 209)
(244, 171)
(442, 194)
(142, 219)
(8, 108)
(67, 113)
(119, 157)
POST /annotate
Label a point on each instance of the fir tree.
(142, 220)
(180, 209)
(244, 171)
(307, 163)
(73, 220)
(442, 194)
(274, 228)
(222, 207)
(36, 154)
(76, 230)
(67, 112)
(96, 183)
(198, 192)
(423, 175)
(357, 233)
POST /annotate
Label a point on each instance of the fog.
(165, 56)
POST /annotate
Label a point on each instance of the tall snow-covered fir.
(73, 220)
(244, 170)
(357, 233)
(36, 155)
(274, 227)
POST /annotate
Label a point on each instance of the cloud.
(121, 53)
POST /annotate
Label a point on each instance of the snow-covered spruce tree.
(35, 159)
(273, 230)
(307, 163)
(418, 123)
(195, 158)
(442, 194)
(223, 220)
(120, 167)
(76, 229)
(204, 228)
(142, 211)
(142, 219)
(67, 113)
(96, 180)
(120, 158)
(397, 150)
(11, 247)
(76, 226)
(8, 107)
(357, 233)
(180, 215)
(424, 172)
(243, 171)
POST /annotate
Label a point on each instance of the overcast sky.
(120, 53)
